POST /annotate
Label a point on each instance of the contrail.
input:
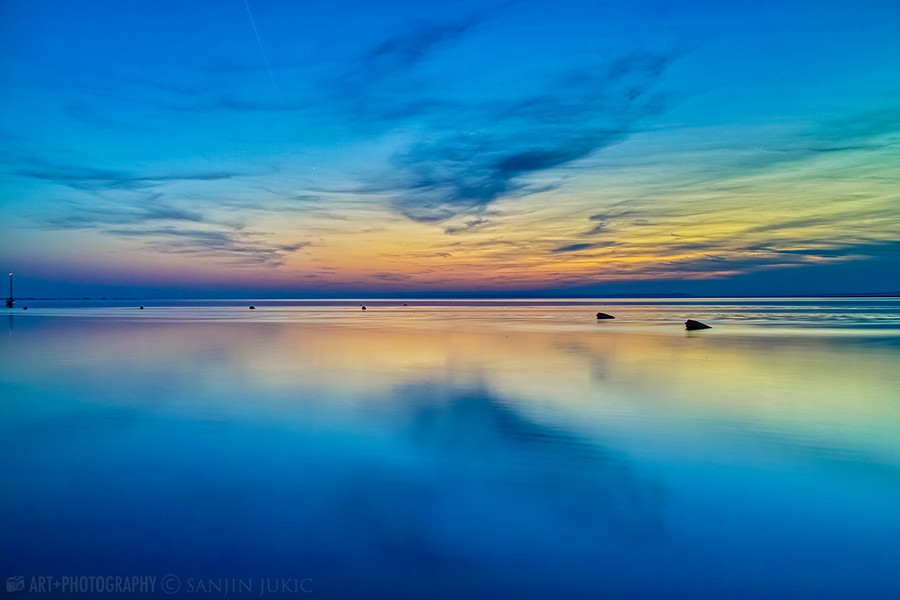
(259, 41)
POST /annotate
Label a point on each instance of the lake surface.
(454, 449)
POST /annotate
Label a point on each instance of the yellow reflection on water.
(833, 391)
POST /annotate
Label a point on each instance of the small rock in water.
(142, 308)
(604, 316)
(252, 308)
(24, 308)
(364, 308)
(692, 325)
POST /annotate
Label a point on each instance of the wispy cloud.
(92, 178)
(152, 208)
(581, 246)
(377, 86)
(406, 49)
(487, 151)
(470, 225)
(236, 246)
(235, 103)
(392, 276)
(469, 150)
(137, 206)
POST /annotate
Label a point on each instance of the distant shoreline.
(462, 297)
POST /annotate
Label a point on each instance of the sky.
(350, 148)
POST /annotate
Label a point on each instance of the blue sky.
(351, 148)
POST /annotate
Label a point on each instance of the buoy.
(252, 308)
(604, 316)
(692, 325)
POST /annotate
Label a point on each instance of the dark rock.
(252, 308)
(692, 325)
(364, 308)
(24, 308)
(142, 308)
(604, 316)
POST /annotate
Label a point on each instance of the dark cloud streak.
(490, 151)
(127, 205)
(237, 246)
(92, 178)
(581, 246)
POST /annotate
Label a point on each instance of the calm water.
(454, 450)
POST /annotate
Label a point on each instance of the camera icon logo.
(15, 584)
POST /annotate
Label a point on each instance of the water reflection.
(398, 458)
(477, 438)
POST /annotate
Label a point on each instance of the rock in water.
(252, 308)
(364, 308)
(692, 325)
(604, 316)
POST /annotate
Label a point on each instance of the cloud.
(581, 246)
(860, 127)
(236, 246)
(168, 228)
(230, 102)
(392, 276)
(572, 248)
(408, 48)
(197, 89)
(377, 87)
(92, 178)
(96, 216)
(598, 228)
(873, 131)
(493, 150)
(416, 255)
(606, 219)
(84, 112)
(468, 226)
